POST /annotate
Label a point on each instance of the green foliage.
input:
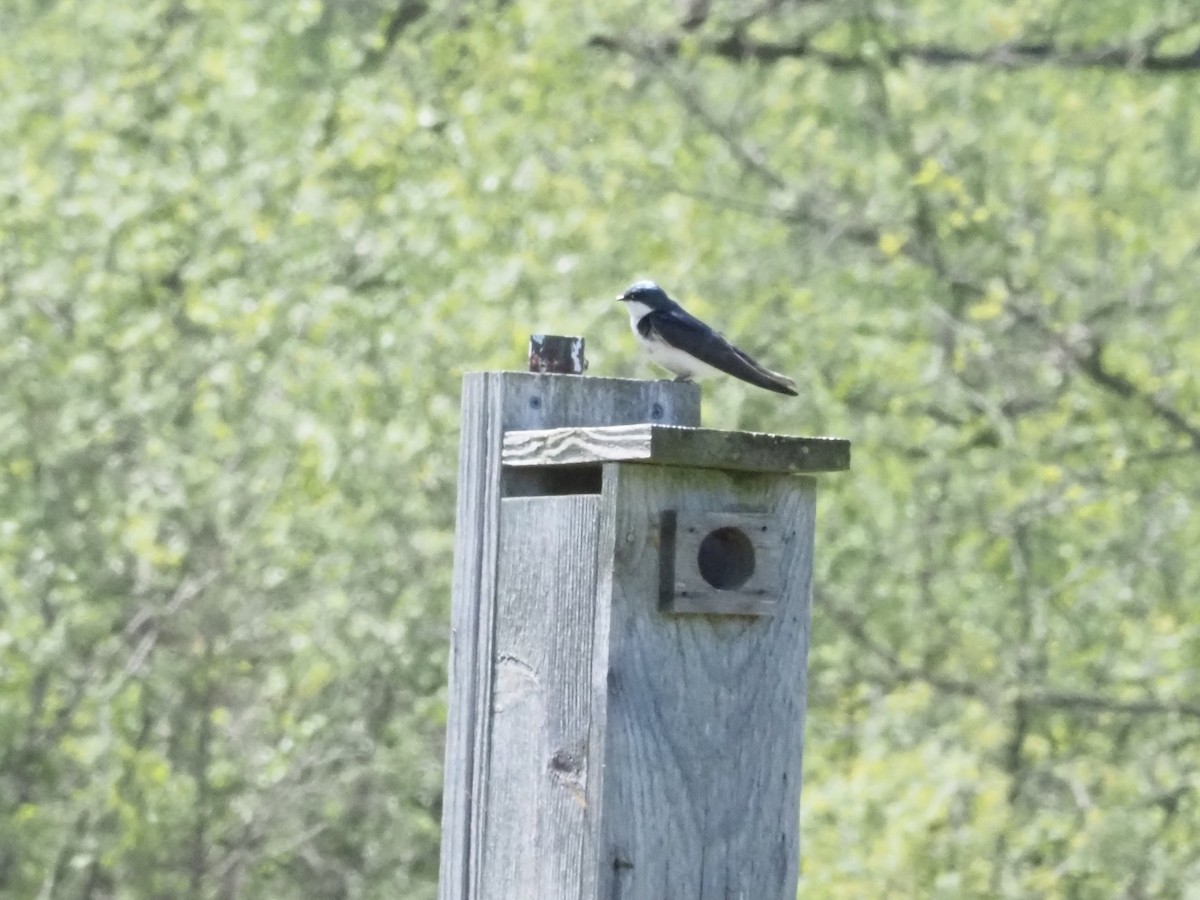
(247, 249)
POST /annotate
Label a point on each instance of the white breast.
(663, 354)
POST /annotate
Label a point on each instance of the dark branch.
(1033, 698)
(1087, 356)
(1092, 365)
(404, 14)
(1135, 55)
(1068, 701)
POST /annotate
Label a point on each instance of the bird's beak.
(620, 298)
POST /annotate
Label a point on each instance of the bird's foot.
(686, 379)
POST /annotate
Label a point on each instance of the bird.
(680, 343)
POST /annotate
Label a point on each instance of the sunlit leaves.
(248, 249)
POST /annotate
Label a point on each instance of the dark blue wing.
(685, 332)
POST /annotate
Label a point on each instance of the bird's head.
(648, 294)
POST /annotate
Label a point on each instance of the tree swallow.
(682, 344)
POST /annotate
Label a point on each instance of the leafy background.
(248, 248)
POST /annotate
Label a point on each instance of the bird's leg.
(684, 378)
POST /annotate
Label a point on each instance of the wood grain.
(704, 716)
(536, 811)
(676, 446)
(493, 403)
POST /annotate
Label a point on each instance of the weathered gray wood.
(471, 619)
(676, 446)
(703, 717)
(685, 589)
(597, 745)
(492, 404)
(536, 829)
(535, 401)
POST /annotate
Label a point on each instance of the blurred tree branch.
(405, 13)
(898, 672)
(1085, 351)
(1142, 54)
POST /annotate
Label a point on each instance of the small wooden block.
(559, 354)
(720, 563)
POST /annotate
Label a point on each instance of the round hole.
(656, 411)
(535, 402)
(726, 558)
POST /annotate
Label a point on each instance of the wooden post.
(629, 643)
